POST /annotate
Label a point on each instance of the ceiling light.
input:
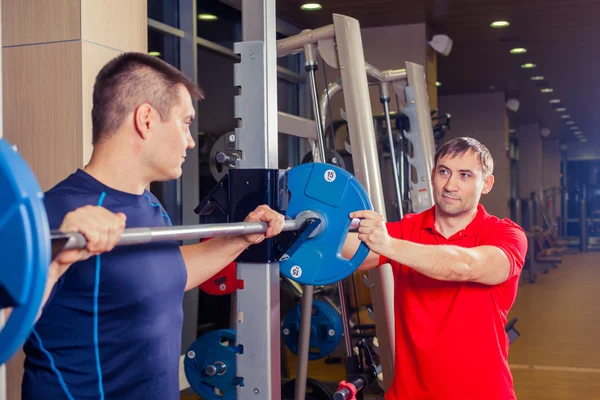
(547, 90)
(518, 50)
(528, 65)
(570, 122)
(565, 116)
(583, 140)
(561, 109)
(500, 24)
(574, 128)
(154, 53)
(537, 78)
(207, 17)
(438, 84)
(311, 6)
(577, 132)
(554, 101)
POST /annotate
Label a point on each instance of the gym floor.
(557, 356)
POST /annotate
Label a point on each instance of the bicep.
(490, 265)
(501, 255)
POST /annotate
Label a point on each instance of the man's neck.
(448, 225)
(114, 168)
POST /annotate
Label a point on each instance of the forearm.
(351, 246)
(441, 262)
(204, 260)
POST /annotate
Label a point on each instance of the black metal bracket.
(240, 192)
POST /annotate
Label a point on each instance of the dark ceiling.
(562, 38)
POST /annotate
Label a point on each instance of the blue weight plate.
(26, 248)
(325, 330)
(333, 193)
(211, 349)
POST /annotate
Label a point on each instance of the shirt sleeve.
(395, 231)
(511, 239)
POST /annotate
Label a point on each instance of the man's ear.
(488, 183)
(143, 119)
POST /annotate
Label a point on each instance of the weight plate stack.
(325, 330)
(210, 366)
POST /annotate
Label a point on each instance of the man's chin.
(450, 210)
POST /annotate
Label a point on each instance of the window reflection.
(219, 22)
(165, 11)
(164, 46)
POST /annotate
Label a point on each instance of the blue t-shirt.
(112, 326)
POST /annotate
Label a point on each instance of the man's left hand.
(264, 213)
(372, 231)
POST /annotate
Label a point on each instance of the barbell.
(322, 197)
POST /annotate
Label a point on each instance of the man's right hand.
(102, 229)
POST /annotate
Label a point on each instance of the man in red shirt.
(456, 273)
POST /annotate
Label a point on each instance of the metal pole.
(366, 169)
(583, 222)
(311, 66)
(187, 187)
(308, 290)
(304, 343)
(135, 236)
(385, 100)
(565, 198)
(258, 318)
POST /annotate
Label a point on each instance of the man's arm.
(102, 230)
(487, 264)
(204, 260)
(484, 264)
(350, 247)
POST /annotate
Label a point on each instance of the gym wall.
(530, 160)
(551, 169)
(52, 52)
(483, 117)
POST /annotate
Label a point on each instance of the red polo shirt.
(450, 338)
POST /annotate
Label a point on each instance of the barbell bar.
(134, 236)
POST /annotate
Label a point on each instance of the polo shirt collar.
(470, 230)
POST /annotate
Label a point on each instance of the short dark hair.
(459, 146)
(129, 80)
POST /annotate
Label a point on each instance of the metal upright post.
(258, 314)
(565, 198)
(366, 168)
(584, 228)
(307, 293)
(187, 188)
(385, 100)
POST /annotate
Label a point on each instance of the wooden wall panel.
(35, 21)
(93, 59)
(42, 107)
(116, 23)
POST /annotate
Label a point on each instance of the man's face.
(174, 137)
(458, 183)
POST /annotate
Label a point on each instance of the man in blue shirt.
(110, 326)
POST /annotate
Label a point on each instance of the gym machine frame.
(411, 86)
(257, 309)
(340, 45)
